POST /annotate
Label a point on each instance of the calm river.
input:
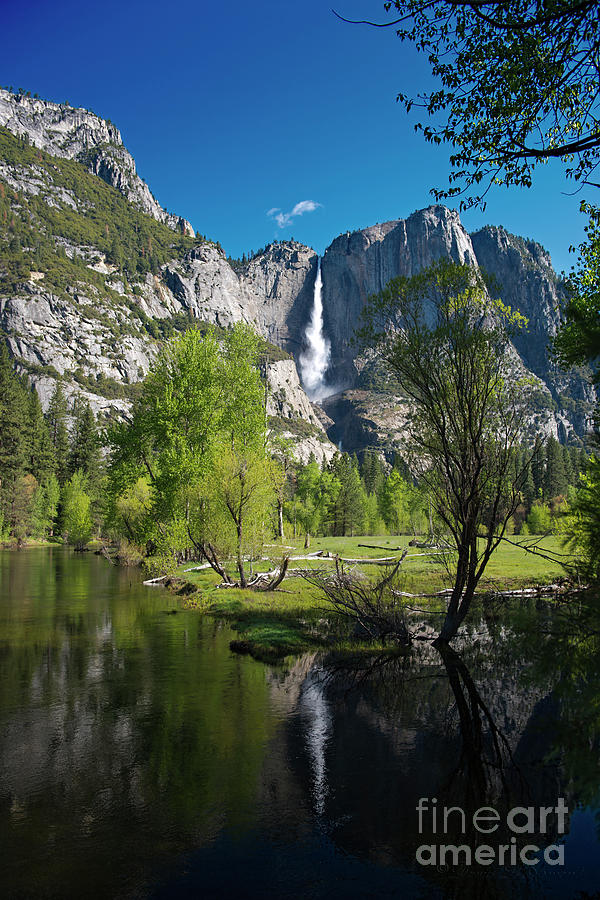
(140, 757)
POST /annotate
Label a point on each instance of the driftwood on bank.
(374, 610)
(262, 581)
(155, 581)
(379, 547)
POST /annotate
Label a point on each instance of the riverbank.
(295, 618)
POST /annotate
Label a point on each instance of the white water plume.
(315, 359)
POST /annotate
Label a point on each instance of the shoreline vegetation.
(296, 618)
(194, 486)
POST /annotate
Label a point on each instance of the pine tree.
(349, 506)
(529, 492)
(85, 443)
(555, 482)
(59, 435)
(12, 431)
(40, 452)
(538, 466)
(371, 472)
(568, 466)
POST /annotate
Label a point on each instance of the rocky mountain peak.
(282, 279)
(522, 251)
(360, 263)
(74, 133)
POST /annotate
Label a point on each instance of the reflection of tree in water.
(485, 750)
(467, 736)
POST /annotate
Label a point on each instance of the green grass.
(295, 619)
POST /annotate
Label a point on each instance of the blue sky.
(236, 111)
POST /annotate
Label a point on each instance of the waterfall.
(315, 359)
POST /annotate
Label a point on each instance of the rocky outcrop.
(292, 416)
(286, 399)
(282, 279)
(204, 284)
(523, 277)
(70, 133)
(361, 263)
(103, 335)
(365, 420)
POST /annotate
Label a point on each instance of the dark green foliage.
(372, 472)
(107, 387)
(34, 449)
(41, 458)
(538, 467)
(517, 84)
(37, 451)
(33, 232)
(578, 341)
(13, 417)
(555, 479)
(298, 427)
(85, 443)
(347, 508)
(59, 435)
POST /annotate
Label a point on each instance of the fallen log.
(378, 547)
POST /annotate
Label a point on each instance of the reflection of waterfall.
(315, 359)
(314, 709)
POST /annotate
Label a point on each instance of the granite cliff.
(357, 265)
(69, 133)
(94, 274)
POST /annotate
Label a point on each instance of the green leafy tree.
(445, 340)
(517, 86)
(76, 511)
(373, 521)
(133, 509)
(309, 491)
(234, 502)
(44, 507)
(202, 408)
(585, 521)
(578, 341)
(539, 520)
(394, 502)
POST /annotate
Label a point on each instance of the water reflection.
(316, 715)
(139, 757)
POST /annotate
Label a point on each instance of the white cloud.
(285, 219)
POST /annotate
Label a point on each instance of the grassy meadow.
(295, 618)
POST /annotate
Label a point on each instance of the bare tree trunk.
(307, 540)
(465, 583)
(240, 558)
(210, 553)
(280, 516)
